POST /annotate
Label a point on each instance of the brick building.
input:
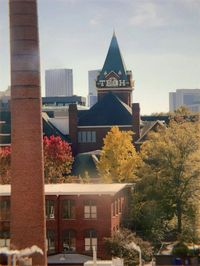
(114, 107)
(85, 129)
(78, 216)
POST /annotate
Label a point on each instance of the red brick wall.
(125, 95)
(100, 135)
(105, 224)
(27, 182)
(102, 224)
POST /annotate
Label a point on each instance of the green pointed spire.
(114, 63)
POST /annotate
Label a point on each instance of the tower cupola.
(114, 77)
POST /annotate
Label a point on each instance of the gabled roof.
(5, 128)
(114, 61)
(49, 129)
(110, 110)
(86, 163)
(148, 126)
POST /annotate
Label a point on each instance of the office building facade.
(92, 78)
(185, 97)
(58, 82)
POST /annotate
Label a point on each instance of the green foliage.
(118, 159)
(180, 249)
(118, 246)
(165, 200)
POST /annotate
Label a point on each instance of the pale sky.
(159, 41)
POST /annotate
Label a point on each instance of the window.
(90, 239)
(50, 209)
(68, 210)
(51, 241)
(90, 209)
(120, 206)
(93, 136)
(84, 137)
(69, 240)
(87, 136)
(113, 209)
(5, 210)
(4, 238)
(116, 207)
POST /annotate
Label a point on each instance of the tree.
(5, 158)
(165, 199)
(119, 245)
(118, 159)
(58, 160)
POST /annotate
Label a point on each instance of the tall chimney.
(136, 121)
(73, 123)
(27, 178)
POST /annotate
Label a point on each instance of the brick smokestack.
(136, 120)
(27, 178)
(73, 123)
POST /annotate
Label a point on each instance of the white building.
(59, 82)
(185, 97)
(92, 77)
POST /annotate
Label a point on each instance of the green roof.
(114, 62)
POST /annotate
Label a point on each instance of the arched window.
(69, 241)
(90, 239)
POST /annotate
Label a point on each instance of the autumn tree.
(166, 197)
(58, 160)
(118, 159)
(5, 158)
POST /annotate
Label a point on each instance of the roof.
(49, 129)
(109, 111)
(68, 259)
(164, 118)
(86, 163)
(114, 62)
(75, 189)
(63, 100)
(148, 126)
(5, 128)
(100, 262)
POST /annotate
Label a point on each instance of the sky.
(159, 41)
